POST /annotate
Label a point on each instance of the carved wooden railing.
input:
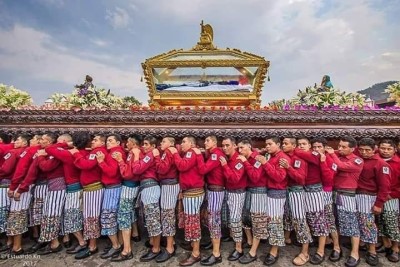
(244, 123)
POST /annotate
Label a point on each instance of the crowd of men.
(90, 187)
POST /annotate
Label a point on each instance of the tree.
(394, 92)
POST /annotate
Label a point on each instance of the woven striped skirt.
(169, 198)
(4, 204)
(126, 211)
(192, 200)
(18, 217)
(92, 199)
(366, 219)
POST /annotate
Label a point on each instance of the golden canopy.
(205, 75)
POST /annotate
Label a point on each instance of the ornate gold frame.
(206, 47)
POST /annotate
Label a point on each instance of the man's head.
(149, 143)
(229, 145)
(35, 140)
(288, 144)
(22, 141)
(4, 138)
(187, 143)
(167, 142)
(64, 138)
(113, 140)
(133, 142)
(81, 139)
(272, 144)
(244, 147)
(48, 139)
(366, 147)
(210, 142)
(98, 141)
(347, 145)
(318, 144)
(387, 148)
(303, 143)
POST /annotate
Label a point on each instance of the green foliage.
(13, 98)
(92, 98)
(394, 92)
(333, 97)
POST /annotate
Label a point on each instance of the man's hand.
(261, 159)
(156, 152)
(73, 151)
(196, 151)
(323, 157)
(242, 158)
(135, 151)
(173, 150)
(376, 210)
(223, 161)
(329, 150)
(284, 163)
(17, 196)
(100, 157)
(10, 194)
(117, 156)
(41, 152)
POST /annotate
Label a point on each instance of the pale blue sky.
(48, 46)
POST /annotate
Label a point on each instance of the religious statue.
(326, 84)
(85, 87)
(206, 38)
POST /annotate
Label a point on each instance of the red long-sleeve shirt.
(189, 174)
(256, 176)
(212, 169)
(4, 149)
(145, 167)
(314, 169)
(297, 171)
(110, 171)
(375, 178)
(90, 170)
(348, 169)
(276, 176)
(60, 152)
(10, 163)
(125, 168)
(52, 167)
(34, 173)
(327, 173)
(394, 163)
(234, 172)
(165, 166)
(25, 161)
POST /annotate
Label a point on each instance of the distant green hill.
(377, 91)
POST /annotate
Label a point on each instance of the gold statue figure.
(206, 38)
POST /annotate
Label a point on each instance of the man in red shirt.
(215, 194)
(389, 224)
(90, 179)
(257, 194)
(348, 168)
(168, 177)
(192, 185)
(7, 171)
(297, 172)
(111, 179)
(314, 197)
(149, 195)
(129, 192)
(276, 183)
(18, 218)
(372, 192)
(55, 199)
(236, 183)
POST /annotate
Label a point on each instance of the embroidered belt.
(236, 191)
(295, 189)
(72, 188)
(273, 193)
(169, 181)
(131, 184)
(312, 188)
(363, 192)
(195, 192)
(111, 186)
(148, 182)
(257, 190)
(56, 184)
(343, 192)
(215, 188)
(5, 183)
(93, 187)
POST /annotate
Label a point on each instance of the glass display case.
(205, 76)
